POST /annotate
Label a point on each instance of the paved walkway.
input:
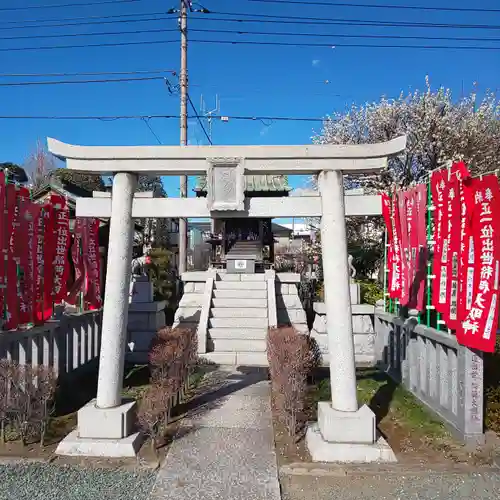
(224, 449)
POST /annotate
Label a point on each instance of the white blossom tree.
(438, 128)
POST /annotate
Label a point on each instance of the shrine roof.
(254, 183)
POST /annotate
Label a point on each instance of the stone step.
(238, 333)
(239, 302)
(243, 312)
(240, 294)
(240, 358)
(238, 323)
(239, 345)
(241, 277)
(240, 285)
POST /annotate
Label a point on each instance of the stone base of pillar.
(103, 432)
(349, 437)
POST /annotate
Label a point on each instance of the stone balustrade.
(445, 376)
(68, 344)
(363, 332)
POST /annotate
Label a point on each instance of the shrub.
(152, 413)
(370, 291)
(26, 399)
(172, 356)
(291, 359)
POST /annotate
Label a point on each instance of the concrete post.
(115, 313)
(337, 293)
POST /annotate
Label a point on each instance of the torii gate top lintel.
(193, 160)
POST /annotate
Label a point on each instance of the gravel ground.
(480, 486)
(51, 482)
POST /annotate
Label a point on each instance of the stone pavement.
(224, 450)
(449, 485)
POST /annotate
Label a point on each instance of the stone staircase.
(238, 320)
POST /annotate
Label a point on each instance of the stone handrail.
(65, 345)
(445, 376)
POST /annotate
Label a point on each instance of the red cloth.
(478, 329)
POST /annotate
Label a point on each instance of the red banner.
(404, 246)
(63, 240)
(77, 257)
(439, 237)
(478, 330)
(386, 213)
(452, 262)
(92, 257)
(418, 242)
(45, 252)
(3, 244)
(395, 284)
(17, 257)
(29, 214)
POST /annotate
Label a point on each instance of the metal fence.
(68, 344)
(445, 376)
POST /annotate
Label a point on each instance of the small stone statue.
(352, 269)
(139, 260)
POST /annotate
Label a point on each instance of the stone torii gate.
(105, 425)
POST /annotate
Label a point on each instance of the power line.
(199, 119)
(86, 45)
(346, 45)
(244, 32)
(85, 18)
(146, 121)
(107, 73)
(65, 82)
(85, 23)
(148, 117)
(251, 42)
(282, 19)
(378, 6)
(341, 35)
(243, 18)
(101, 33)
(60, 6)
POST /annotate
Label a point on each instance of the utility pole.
(183, 81)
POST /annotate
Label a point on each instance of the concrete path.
(224, 449)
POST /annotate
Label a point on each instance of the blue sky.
(250, 79)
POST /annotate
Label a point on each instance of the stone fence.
(68, 344)
(445, 376)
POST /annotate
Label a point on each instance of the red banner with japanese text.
(418, 245)
(404, 246)
(44, 254)
(395, 284)
(452, 262)
(478, 329)
(78, 259)
(93, 265)
(63, 240)
(17, 260)
(437, 183)
(29, 214)
(3, 243)
(386, 213)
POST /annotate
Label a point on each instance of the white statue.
(352, 269)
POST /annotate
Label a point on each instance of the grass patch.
(389, 401)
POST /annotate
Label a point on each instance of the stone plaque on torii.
(341, 422)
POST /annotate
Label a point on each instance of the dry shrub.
(152, 414)
(291, 359)
(26, 399)
(172, 356)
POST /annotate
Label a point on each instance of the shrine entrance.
(225, 168)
